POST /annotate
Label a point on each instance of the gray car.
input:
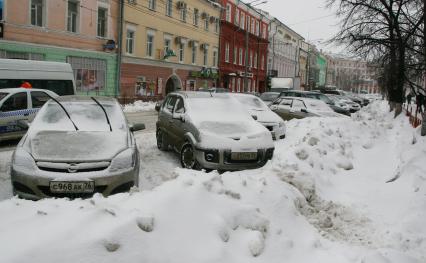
(75, 147)
(212, 131)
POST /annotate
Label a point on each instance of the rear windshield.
(60, 87)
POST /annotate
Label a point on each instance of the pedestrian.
(409, 96)
(419, 102)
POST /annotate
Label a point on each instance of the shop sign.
(205, 73)
(243, 74)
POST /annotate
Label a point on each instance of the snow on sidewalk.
(139, 106)
(323, 198)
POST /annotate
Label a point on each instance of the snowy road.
(323, 198)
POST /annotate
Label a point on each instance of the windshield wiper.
(106, 115)
(66, 112)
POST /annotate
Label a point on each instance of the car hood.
(76, 146)
(265, 116)
(326, 113)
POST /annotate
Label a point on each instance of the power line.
(312, 19)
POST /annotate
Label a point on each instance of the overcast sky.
(309, 18)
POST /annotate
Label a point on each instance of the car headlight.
(23, 160)
(124, 160)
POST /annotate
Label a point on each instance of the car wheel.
(161, 140)
(187, 157)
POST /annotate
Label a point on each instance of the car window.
(39, 98)
(180, 108)
(15, 102)
(286, 102)
(170, 103)
(298, 105)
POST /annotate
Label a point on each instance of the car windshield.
(269, 96)
(317, 105)
(2, 95)
(87, 116)
(216, 109)
(252, 102)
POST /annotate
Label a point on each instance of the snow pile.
(337, 190)
(139, 106)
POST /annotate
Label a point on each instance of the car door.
(283, 108)
(38, 99)
(298, 109)
(13, 109)
(178, 127)
(165, 118)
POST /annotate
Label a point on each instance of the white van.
(55, 76)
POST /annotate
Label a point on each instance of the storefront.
(94, 72)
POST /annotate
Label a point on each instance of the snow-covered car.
(296, 107)
(353, 106)
(260, 112)
(17, 105)
(75, 147)
(212, 131)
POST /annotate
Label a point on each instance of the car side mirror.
(23, 124)
(157, 106)
(137, 127)
(179, 116)
(304, 110)
(274, 107)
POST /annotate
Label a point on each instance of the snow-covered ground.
(337, 190)
(139, 106)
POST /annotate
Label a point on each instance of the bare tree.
(384, 31)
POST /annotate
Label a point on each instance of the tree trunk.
(398, 109)
(423, 130)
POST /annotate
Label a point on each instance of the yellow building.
(169, 45)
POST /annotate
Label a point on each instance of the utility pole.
(246, 61)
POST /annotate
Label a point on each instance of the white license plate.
(243, 156)
(72, 187)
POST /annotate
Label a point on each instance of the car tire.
(161, 140)
(187, 157)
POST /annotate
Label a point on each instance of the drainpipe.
(273, 43)
(120, 46)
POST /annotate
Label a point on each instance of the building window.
(205, 56)
(264, 31)
(89, 73)
(257, 28)
(102, 21)
(216, 26)
(251, 58)
(194, 54)
(227, 52)
(238, 85)
(169, 7)
(206, 23)
(183, 14)
(252, 26)
(196, 17)
(37, 11)
(241, 57)
(237, 17)
(181, 52)
(235, 55)
(167, 43)
(255, 60)
(149, 44)
(228, 12)
(262, 65)
(215, 58)
(130, 41)
(242, 20)
(72, 22)
(151, 4)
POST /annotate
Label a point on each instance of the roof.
(78, 98)
(199, 94)
(15, 90)
(19, 64)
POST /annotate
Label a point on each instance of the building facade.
(284, 50)
(244, 47)
(169, 45)
(80, 32)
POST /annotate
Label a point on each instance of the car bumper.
(36, 185)
(222, 160)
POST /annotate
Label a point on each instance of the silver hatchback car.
(76, 146)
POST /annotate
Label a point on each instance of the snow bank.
(337, 190)
(139, 106)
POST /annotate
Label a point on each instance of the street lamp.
(247, 45)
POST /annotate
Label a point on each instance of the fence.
(415, 117)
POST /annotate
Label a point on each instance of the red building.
(237, 20)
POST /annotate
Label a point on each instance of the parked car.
(19, 104)
(353, 106)
(75, 147)
(298, 107)
(260, 112)
(269, 97)
(54, 76)
(212, 131)
(315, 95)
(213, 90)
